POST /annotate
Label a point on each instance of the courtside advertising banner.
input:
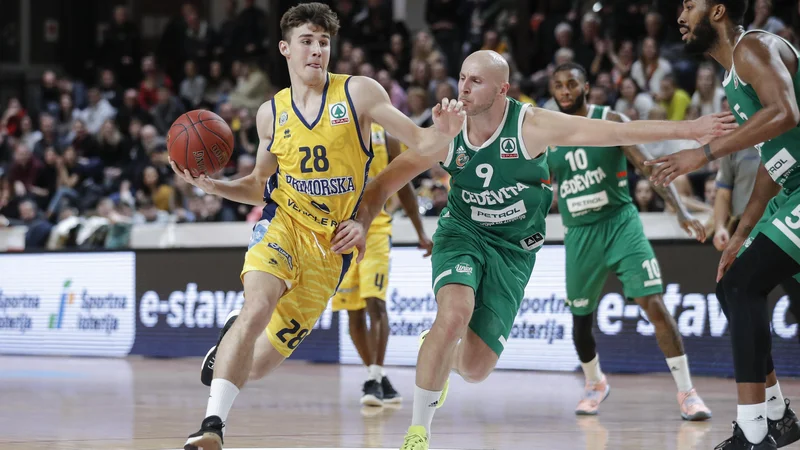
(79, 304)
(541, 338)
(184, 297)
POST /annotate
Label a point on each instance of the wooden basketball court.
(71, 403)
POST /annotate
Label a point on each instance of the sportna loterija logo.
(67, 296)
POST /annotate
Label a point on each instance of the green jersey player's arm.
(543, 127)
(637, 155)
(759, 61)
(397, 174)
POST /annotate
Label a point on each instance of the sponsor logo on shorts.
(533, 241)
(283, 253)
(464, 268)
(578, 302)
(489, 217)
(324, 221)
(587, 202)
(780, 164)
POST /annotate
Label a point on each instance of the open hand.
(672, 166)
(707, 128)
(205, 183)
(690, 224)
(425, 244)
(448, 117)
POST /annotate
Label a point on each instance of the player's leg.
(500, 292)
(792, 288)
(759, 269)
(234, 356)
(631, 256)
(374, 281)
(586, 274)
(457, 266)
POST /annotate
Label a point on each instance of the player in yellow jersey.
(365, 284)
(312, 163)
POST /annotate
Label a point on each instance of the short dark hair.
(317, 14)
(735, 9)
(566, 67)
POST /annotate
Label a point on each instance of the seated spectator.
(154, 189)
(167, 110)
(98, 111)
(49, 136)
(109, 89)
(153, 79)
(193, 86)
(650, 68)
(632, 97)
(251, 89)
(707, 98)
(24, 169)
(673, 99)
(27, 134)
(419, 109)
(218, 86)
(146, 212)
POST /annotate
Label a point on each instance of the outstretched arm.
(250, 188)
(556, 128)
(637, 155)
(757, 63)
(408, 198)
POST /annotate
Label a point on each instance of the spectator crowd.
(87, 160)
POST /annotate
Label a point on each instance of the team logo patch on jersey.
(339, 114)
(462, 158)
(377, 138)
(284, 117)
(508, 148)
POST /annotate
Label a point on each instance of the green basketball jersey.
(497, 189)
(592, 181)
(781, 154)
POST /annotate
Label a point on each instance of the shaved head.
(489, 63)
(483, 80)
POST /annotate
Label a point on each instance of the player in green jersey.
(485, 246)
(762, 85)
(603, 234)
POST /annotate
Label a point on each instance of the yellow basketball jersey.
(380, 159)
(322, 161)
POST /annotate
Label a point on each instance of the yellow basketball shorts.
(367, 279)
(284, 248)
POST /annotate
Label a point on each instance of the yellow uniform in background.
(370, 277)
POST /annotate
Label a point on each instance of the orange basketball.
(200, 141)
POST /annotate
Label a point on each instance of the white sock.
(221, 397)
(752, 419)
(679, 366)
(424, 406)
(592, 370)
(375, 372)
(383, 371)
(775, 405)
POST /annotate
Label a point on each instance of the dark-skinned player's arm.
(408, 198)
(637, 155)
(763, 191)
(556, 128)
(758, 64)
(249, 189)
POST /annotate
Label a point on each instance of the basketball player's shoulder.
(265, 119)
(754, 52)
(364, 92)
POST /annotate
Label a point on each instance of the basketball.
(200, 141)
